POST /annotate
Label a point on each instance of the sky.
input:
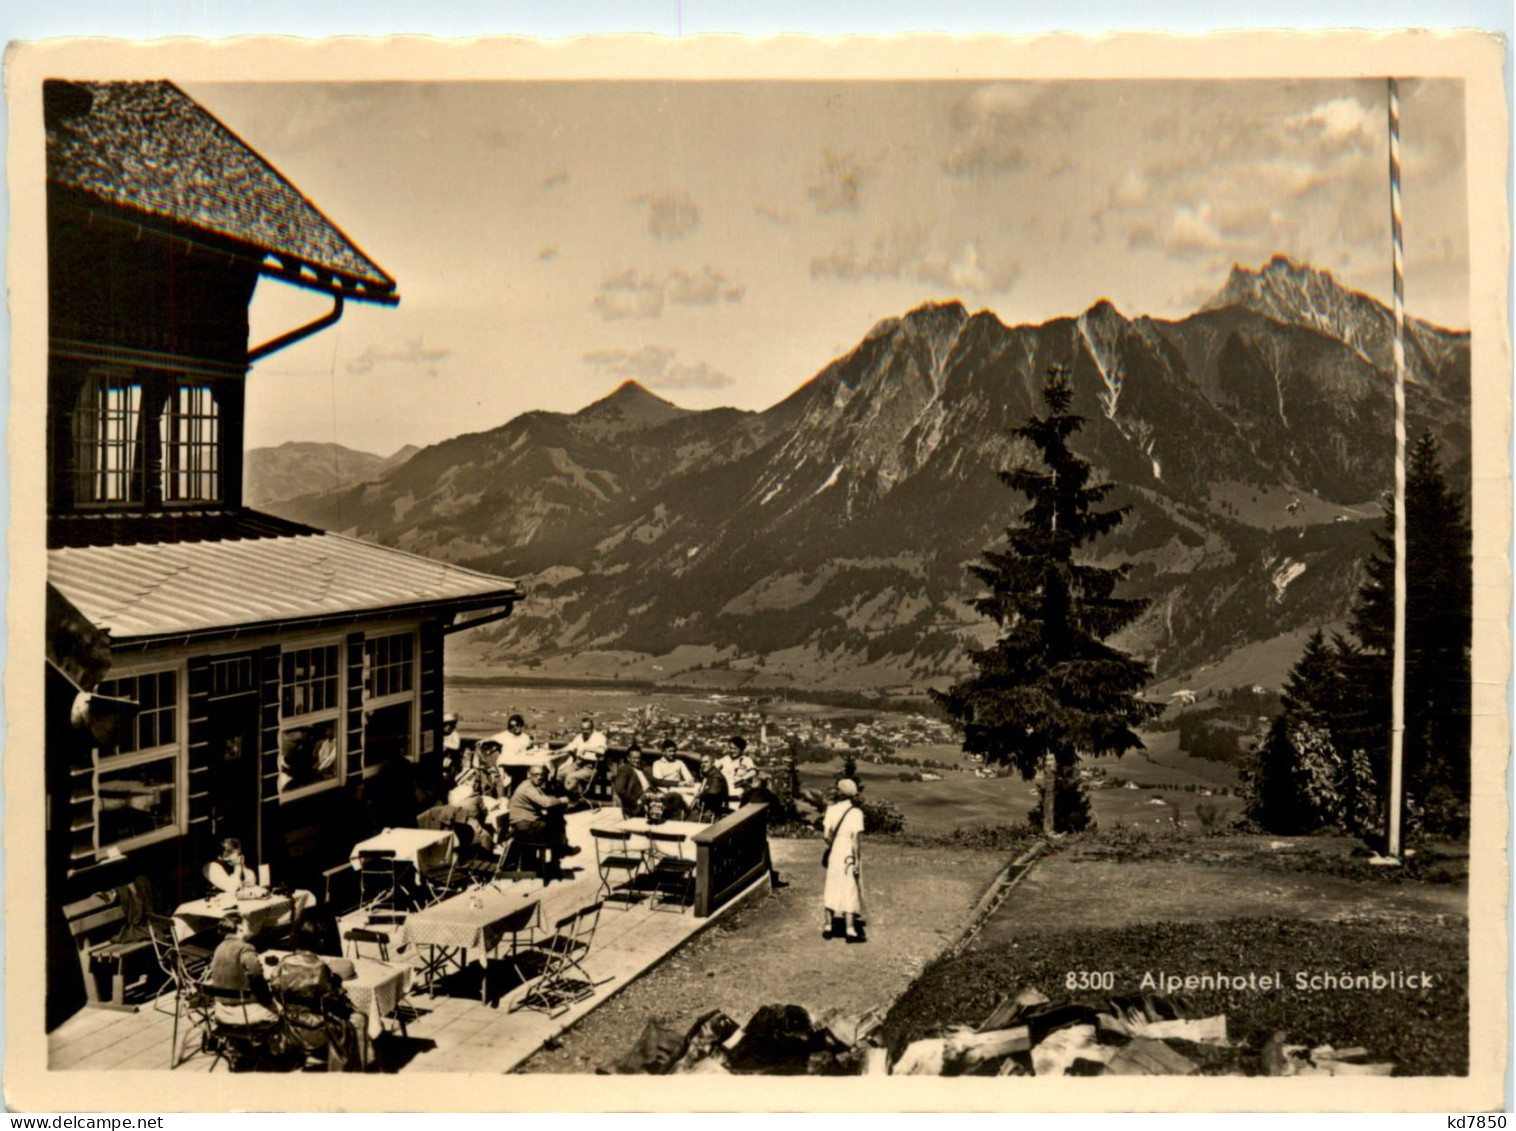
(721, 242)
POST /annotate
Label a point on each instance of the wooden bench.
(94, 923)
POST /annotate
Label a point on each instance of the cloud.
(993, 127)
(837, 186)
(1339, 125)
(410, 353)
(631, 294)
(914, 253)
(658, 368)
(671, 215)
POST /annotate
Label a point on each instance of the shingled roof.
(149, 147)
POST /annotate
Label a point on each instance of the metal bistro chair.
(231, 1039)
(378, 879)
(564, 981)
(673, 873)
(184, 966)
(172, 954)
(613, 854)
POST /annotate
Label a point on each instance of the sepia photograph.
(734, 560)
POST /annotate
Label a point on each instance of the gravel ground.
(771, 951)
(1421, 1031)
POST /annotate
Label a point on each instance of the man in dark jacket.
(631, 783)
(713, 792)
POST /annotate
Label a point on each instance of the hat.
(451, 717)
(847, 787)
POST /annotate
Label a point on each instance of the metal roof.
(139, 592)
(149, 147)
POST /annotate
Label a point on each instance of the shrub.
(881, 818)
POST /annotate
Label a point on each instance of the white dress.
(843, 828)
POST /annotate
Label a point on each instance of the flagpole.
(1397, 680)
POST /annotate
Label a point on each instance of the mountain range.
(824, 541)
(300, 467)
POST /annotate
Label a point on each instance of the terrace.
(455, 1030)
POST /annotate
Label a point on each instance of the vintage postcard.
(968, 574)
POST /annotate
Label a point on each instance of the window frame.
(412, 696)
(88, 448)
(331, 714)
(176, 750)
(167, 445)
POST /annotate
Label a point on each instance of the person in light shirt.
(514, 742)
(669, 771)
(738, 767)
(589, 744)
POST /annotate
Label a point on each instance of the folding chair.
(503, 853)
(354, 937)
(195, 959)
(672, 872)
(378, 878)
(614, 853)
(230, 1039)
(564, 980)
(184, 966)
(442, 880)
(340, 884)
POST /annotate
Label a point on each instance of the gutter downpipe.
(331, 318)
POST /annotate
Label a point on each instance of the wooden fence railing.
(730, 855)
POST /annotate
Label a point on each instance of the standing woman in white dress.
(843, 828)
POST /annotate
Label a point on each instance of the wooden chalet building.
(269, 668)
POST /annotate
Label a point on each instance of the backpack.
(303, 975)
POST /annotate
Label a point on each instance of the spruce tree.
(1050, 686)
(1439, 635)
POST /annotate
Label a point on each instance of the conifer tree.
(1439, 633)
(1050, 686)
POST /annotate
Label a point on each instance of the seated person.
(738, 767)
(669, 771)
(575, 775)
(536, 816)
(472, 781)
(495, 798)
(235, 966)
(229, 871)
(513, 741)
(631, 783)
(589, 745)
(711, 804)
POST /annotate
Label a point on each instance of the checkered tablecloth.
(476, 920)
(377, 990)
(202, 914)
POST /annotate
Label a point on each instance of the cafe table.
(421, 848)
(198, 915)
(470, 926)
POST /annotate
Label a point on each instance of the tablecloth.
(201, 914)
(424, 848)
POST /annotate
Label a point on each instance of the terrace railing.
(730, 856)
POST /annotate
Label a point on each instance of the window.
(389, 697)
(190, 430)
(107, 441)
(309, 699)
(389, 664)
(137, 788)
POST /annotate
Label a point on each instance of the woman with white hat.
(843, 896)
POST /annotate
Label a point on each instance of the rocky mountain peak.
(631, 405)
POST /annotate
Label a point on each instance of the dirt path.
(919, 900)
